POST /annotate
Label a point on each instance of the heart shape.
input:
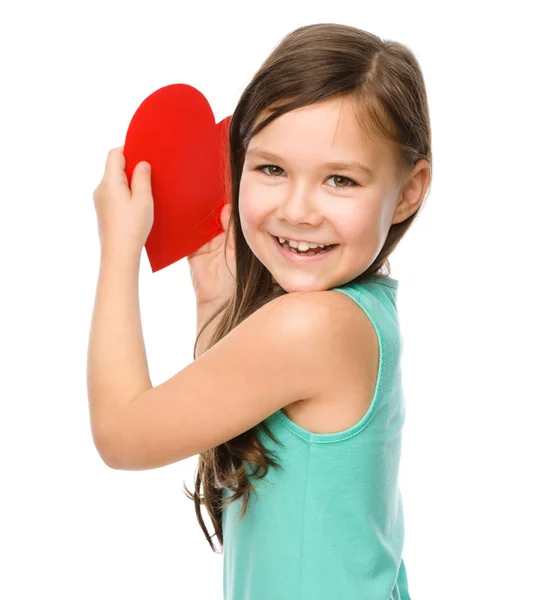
(174, 130)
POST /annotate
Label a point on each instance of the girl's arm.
(286, 351)
(204, 312)
(117, 368)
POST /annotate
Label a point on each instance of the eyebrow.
(353, 164)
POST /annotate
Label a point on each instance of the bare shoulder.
(352, 348)
(333, 312)
(322, 316)
(298, 347)
(336, 331)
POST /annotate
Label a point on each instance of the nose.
(299, 206)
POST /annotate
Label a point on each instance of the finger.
(141, 180)
(114, 166)
(228, 229)
(225, 216)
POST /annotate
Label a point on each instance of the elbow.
(117, 460)
(106, 449)
(110, 460)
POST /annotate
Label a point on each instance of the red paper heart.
(175, 132)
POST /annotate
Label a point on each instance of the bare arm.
(204, 312)
(262, 365)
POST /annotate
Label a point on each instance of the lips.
(300, 258)
(283, 237)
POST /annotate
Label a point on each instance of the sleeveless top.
(329, 524)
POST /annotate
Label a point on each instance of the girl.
(295, 392)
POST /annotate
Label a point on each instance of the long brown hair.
(311, 64)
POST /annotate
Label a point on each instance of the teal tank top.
(330, 523)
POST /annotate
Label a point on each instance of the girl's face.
(288, 191)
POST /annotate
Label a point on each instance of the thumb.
(141, 178)
(225, 219)
(225, 216)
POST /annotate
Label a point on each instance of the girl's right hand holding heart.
(213, 281)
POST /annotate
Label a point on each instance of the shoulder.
(327, 318)
(316, 339)
(295, 347)
(335, 344)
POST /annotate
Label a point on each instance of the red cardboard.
(174, 130)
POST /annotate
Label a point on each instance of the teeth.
(300, 245)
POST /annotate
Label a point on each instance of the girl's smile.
(301, 258)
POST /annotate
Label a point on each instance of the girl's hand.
(212, 281)
(125, 216)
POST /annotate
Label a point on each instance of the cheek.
(250, 212)
(253, 207)
(361, 225)
(349, 219)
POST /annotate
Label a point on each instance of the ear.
(413, 192)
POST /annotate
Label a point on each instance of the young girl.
(295, 393)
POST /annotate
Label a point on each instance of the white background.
(473, 298)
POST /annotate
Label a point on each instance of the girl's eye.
(350, 182)
(267, 167)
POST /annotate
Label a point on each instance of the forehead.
(328, 130)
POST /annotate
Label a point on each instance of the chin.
(298, 284)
